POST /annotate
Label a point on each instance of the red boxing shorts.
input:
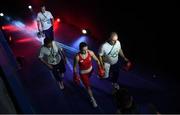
(85, 78)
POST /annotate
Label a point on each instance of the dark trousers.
(59, 69)
(114, 72)
(49, 33)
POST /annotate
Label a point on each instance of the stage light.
(3, 28)
(10, 38)
(84, 31)
(58, 20)
(1, 14)
(30, 7)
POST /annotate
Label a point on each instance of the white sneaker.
(116, 85)
(61, 86)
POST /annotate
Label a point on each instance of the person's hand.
(102, 65)
(50, 66)
(126, 59)
(128, 66)
(101, 72)
(40, 30)
(76, 79)
(53, 28)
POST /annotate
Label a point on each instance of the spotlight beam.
(68, 47)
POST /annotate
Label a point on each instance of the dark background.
(147, 29)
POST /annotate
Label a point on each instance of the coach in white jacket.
(108, 55)
(45, 22)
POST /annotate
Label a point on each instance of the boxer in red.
(84, 60)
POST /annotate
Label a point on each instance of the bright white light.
(84, 31)
(30, 7)
(58, 20)
(1, 14)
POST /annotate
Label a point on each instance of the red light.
(56, 24)
(24, 40)
(11, 28)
